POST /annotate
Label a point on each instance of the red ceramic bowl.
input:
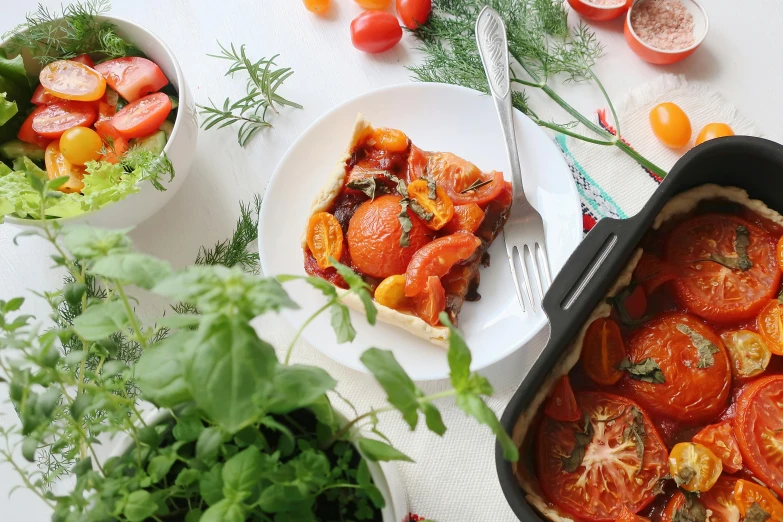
(660, 56)
(599, 13)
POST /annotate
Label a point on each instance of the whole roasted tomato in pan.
(678, 368)
(592, 468)
(726, 267)
(759, 430)
(374, 237)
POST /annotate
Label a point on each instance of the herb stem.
(347, 427)
(526, 83)
(436, 396)
(131, 314)
(608, 102)
(567, 132)
(304, 325)
(26, 481)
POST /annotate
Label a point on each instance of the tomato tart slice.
(415, 225)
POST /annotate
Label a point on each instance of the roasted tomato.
(52, 120)
(72, 80)
(695, 375)
(57, 165)
(457, 176)
(417, 163)
(467, 218)
(636, 303)
(748, 351)
(779, 253)
(651, 272)
(770, 325)
(627, 516)
(720, 439)
(719, 499)
(759, 430)
(390, 140)
(747, 493)
(714, 279)
(391, 293)
(374, 237)
(437, 258)
(561, 404)
(440, 206)
(324, 238)
(602, 351)
(694, 466)
(132, 76)
(610, 474)
(431, 302)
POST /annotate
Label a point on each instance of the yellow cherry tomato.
(712, 131)
(317, 6)
(57, 165)
(749, 353)
(670, 125)
(390, 140)
(80, 145)
(373, 4)
(694, 467)
(391, 293)
(72, 81)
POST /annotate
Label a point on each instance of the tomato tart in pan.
(668, 406)
(415, 225)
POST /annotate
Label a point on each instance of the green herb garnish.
(741, 261)
(646, 370)
(432, 188)
(684, 476)
(476, 185)
(405, 222)
(692, 511)
(755, 513)
(582, 439)
(706, 348)
(636, 432)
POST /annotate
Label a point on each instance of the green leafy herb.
(636, 432)
(692, 511)
(477, 184)
(684, 475)
(646, 370)
(367, 185)
(741, 261)
(236, 250)
(582, 439)
(755, 513)
(148, 166)
(432, 188)
(706, 348)
(264, 80)
(405, 223)
(420, 211)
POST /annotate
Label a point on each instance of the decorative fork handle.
(493, 49)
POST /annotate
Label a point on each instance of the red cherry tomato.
(132, 77)
(52, 120)
(85, 59)
(72, 81)
(414, 13)
(27, 134)
(561, 404)
(142, 117)
(42, 97)
(651, 272)
(436, 258)
(375, 31)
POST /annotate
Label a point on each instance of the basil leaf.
(692, 511)
(706, 348)
(298, 386)
(405, 223)
(159, 372)
(433, 418)
(208, 444)
(224, 511)
(88, 242)
(366, 185)
(637, 433)
(432, 187)
(139, 269)
(420, 211)
(160, 466)
(459, 356)
(210, 485)
(755, 513)
(101, 320)
(188, 427)
(399, 387)
(684, 476)
(742, 261)
(646, 370)
(341, 323)
(180, 320)
(187, 477)
(376, 450)
(242, 471)
(582, 438)
(139, 506)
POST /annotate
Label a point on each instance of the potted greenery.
(239, 435)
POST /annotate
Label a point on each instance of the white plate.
(436, 117)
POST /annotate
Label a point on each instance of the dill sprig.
(50, 36)
(150, 165)
(542, 47)
(264, 80)
(235, 251)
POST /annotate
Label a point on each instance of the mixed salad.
(99, 113)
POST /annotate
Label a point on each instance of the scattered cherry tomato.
(414, 12)
(720, 439)
(71, 80)
(749, 354)
(431, 302)
(467, 218)
(390, 140)
(670, 125)
(52, 120)
(712, 131)
(391, 293)
(324, 238)
(373, 4)
(436, 258)
(441, 208)
(375, 31)
(561, 404)
(132, 76)
(80, 145)
(602, 351)
(695, 465)
(142, 117)
(57, 165)
(747, 493)
(317, 6)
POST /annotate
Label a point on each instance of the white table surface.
(740, 58)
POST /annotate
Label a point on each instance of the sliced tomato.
(627, 516)
(779, 253)
(132, 76)
(57, 165)
(602, 351)
(770, 326)
(720, 439)
(696, 381)
(759, 430)
(143, 116)
(457, 176)
(52, 120)
(651, 272)
(431, 302)
(747, 493)
(467, 218)
(719, 500)
(324, 238)
(417, 163)
(27, 134)
(106, 110)
(694, 466)
(72, 81)
(636, 303)
(611, 475)
(436, 258)
(42, 97)
(561, 404)
(84, 59)
(749, 352)
(708, 288)
(440, 206)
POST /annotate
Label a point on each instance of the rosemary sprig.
(542, 47)
(261, 94)
(476, 185)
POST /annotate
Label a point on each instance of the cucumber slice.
(17, 149)
(167, 127)
(121, 102)
(153, 143)
(174, 101)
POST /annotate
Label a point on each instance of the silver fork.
(524, 230)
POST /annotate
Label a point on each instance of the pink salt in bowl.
(640, 39)
(599, 11)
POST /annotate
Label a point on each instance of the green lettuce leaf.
(8, 109)
(16, 90)
(106, 182)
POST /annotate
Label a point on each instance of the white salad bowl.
(180, 147)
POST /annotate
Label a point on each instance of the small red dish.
(651, 54)
(597, 12)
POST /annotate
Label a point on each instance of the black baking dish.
(752, 164)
